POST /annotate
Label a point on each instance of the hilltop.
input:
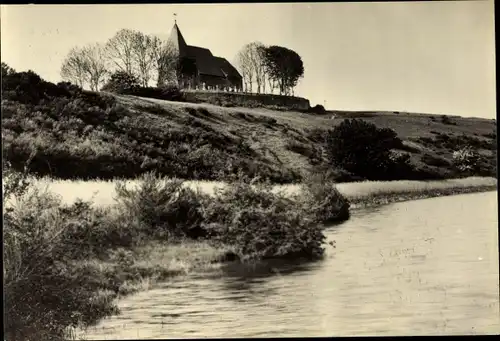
(290, 139)
(75, 134)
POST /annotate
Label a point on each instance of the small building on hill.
(200, 69)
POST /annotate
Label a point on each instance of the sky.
(428, 57)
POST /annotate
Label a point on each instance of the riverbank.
(80, 257)
(388, 264)
(360, 194)
(113, 250)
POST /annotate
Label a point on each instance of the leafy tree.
(363, 149)
(284, 66)
(7, 70)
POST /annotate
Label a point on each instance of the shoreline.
(216, 259)
(138, 268)
(102, 192)
(388, 199)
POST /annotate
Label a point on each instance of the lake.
(425, 267)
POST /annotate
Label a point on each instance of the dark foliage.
(121, 82)
(260, 224)
(283, 65)
(365, 150)
(318, 109)
(447, 120)
(435, 161)
(126, 84)
(87, 135)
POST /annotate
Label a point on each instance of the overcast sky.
(434, 57)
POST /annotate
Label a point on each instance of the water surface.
(425, 267)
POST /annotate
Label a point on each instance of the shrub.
(44, 295)
(446, 120)
(318, 109)
(434, 161)
(167, 92)
(162, 208)
(121, 82)
(362, 148)
(318, 135)
(259, 224)
(321, 199)
(466, 159)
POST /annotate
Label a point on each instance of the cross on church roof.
(175, 18)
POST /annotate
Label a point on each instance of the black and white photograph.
(249, 170)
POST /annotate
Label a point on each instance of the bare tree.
(250, 60)
(120, 50)
(165, 61)
(74, 67)
(272, 84)
(142, 56)
(256, 57)
(95, 64)
(245, 65)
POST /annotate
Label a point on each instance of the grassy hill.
(292, 139)
(74, 134)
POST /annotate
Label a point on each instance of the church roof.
(227, 68)
(178, 40)
(206, 62)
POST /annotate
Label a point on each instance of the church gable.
(210, 69)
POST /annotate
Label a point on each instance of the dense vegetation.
(78, 258)
(374, 153)
(73, 133)
(123, 83)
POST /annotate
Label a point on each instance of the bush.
(260, 224)
(363, 149)
(446, 120)
(168, 93)
(434, 161)
(466, 160)
(321, 198)
(162, 208)
(127, 84)
(318, 109)
(44, 295)
(121, 82)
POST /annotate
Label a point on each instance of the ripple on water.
(401, 269)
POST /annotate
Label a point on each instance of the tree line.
(269, 68)
(150, 58)
(147, 57)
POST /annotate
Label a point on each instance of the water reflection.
(426, 267)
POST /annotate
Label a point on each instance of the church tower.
(177, 40)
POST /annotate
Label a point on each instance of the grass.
(381, 192)
(358, 193)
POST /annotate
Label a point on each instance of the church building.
(200, 69)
